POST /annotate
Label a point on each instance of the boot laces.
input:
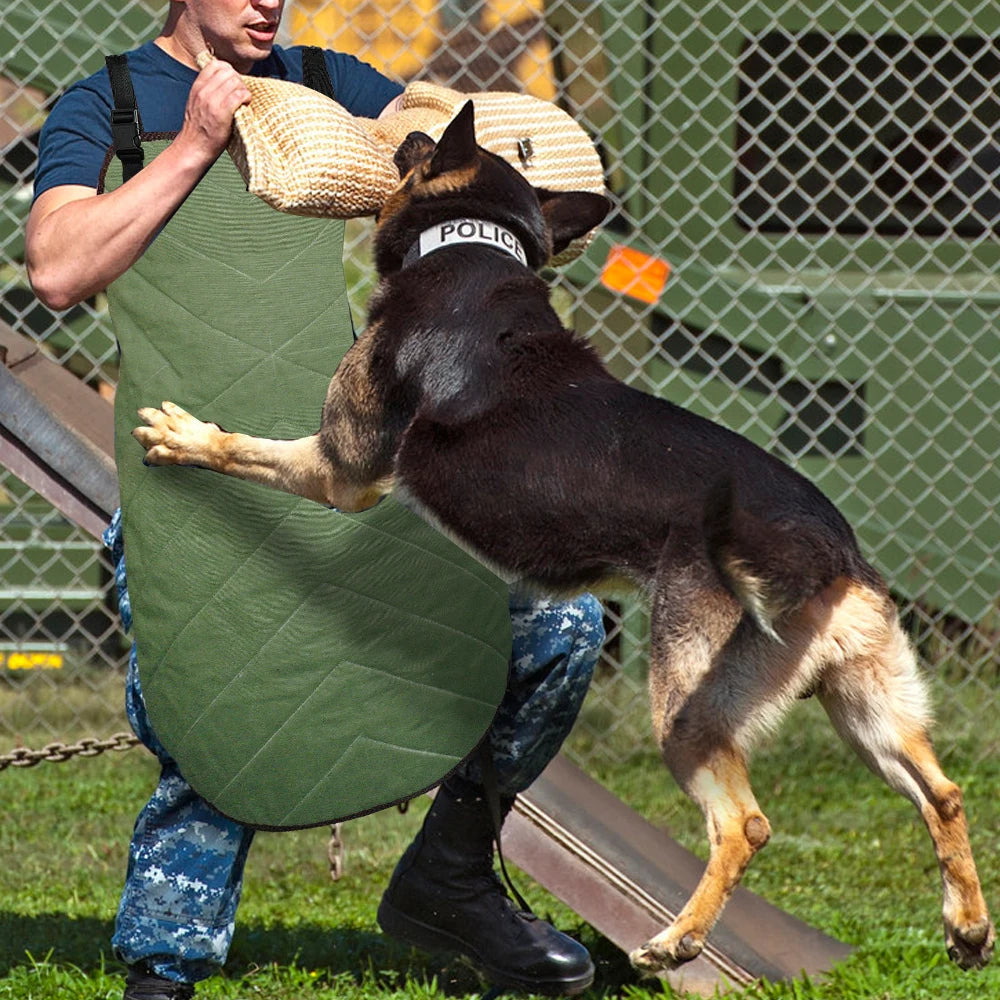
(490, 885)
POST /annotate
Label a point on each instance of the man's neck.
(186, 44)
(174, 49)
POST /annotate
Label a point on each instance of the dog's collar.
(454, 231)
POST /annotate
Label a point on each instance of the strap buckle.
(125, 132)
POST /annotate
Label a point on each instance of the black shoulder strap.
(315, 75)
(126, 125)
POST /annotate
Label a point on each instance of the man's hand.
(208, 118)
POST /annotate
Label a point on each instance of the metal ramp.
(56, 433)
(621, 874)
(629, 879)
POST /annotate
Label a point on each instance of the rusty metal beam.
(61, 494)
(56, 433)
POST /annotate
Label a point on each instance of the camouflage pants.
(186, 860)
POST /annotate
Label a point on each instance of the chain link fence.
(804, 248)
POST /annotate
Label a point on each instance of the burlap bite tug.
(305, 154)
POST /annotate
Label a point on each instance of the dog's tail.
(773, 566)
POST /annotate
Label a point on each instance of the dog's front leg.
(172, 436)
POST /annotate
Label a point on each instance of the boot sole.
(433, 939)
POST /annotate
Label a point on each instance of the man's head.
(241, 32)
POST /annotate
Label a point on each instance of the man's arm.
(392, 107)
(78, 242)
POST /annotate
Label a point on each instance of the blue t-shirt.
(77, 134)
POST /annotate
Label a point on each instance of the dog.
(468, 399)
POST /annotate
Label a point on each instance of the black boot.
(445, 896)
(141, 984)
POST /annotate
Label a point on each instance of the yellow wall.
(399, 37)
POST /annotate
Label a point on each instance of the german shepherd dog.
(467, 398)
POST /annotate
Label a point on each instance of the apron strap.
(126, 125)
(315, 74)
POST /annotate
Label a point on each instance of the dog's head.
(456, 178)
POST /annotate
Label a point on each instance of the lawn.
(847, 855)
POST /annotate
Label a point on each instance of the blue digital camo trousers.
(186, 860)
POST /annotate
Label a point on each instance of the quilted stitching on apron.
(300, 665)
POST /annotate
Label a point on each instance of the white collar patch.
(454, 231)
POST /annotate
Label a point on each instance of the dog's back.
(602, 473)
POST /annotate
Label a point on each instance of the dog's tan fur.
(293, 466)
(733, 645)
(845, 645)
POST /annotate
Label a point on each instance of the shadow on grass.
(372, 957)
(81, 941)
(363, 955)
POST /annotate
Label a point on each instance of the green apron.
(300, 665)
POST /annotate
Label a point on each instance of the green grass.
(847, 856)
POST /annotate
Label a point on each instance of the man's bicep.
(74, 142)
(53, 199)
(45, 206)
(50, 242)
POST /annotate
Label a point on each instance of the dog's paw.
(665, 952)
(971, 947)
(172, 436)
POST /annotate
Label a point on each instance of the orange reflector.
(634, 273)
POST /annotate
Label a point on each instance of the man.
(176, 917)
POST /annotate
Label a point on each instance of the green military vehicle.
(807, 249)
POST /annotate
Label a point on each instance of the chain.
(335, 851)
(56, 753)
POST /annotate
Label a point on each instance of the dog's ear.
(457, 146)
(411, 150)
(570, 214)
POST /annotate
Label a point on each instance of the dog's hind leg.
(704, 705)
(716, 778)
(876, 701)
